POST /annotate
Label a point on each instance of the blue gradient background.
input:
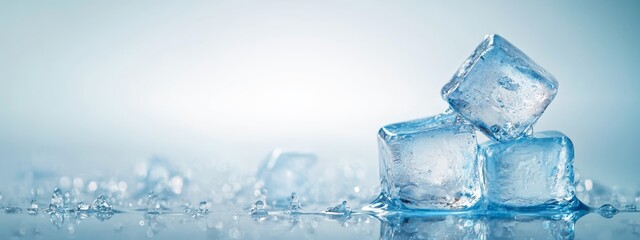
(93, 86)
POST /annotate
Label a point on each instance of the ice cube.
(534, 171)
(500, 90)
(283, 173)
(430, 163)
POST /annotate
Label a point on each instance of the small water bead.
(294, 203)
(342, 208)
(607, 211)
(12, 210)
(82, 207)
(630, 208)
(33, 209)
(258, 208)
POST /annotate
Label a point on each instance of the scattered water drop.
(607, 211)
(342, 208)
(201, 212)
(82, 207)
(294, 203)
(258, 208)
(630, 208)
(33, 209)
(12, 210)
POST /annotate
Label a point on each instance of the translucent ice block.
(534, 171)
(500, 90)
(430, 163)
(283, 173)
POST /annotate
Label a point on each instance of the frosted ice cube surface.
(430, 163)
(500, 90)
(530, 172)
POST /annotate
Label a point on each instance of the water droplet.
(342, 208)
(12, 210)
(607, 211)
(258, 208)
(630, 208)
(33, 209)
(294, 203)
(201, 212)
(82, 207)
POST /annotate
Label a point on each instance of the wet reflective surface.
(159, 200)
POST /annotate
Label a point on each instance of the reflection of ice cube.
(437, 227)
(500, 90)
(529, 172)
(539, 228)
(285, 172)
(430, 163)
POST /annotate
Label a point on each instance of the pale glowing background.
(96, 86)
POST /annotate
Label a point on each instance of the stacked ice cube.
(435, 163)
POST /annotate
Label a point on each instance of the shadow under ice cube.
(430, 163)
(530, 172)
(500, 90)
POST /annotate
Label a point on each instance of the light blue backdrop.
(92, 86)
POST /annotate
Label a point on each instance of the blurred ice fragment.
(101, 204)
(159, 176)
(341, 208)
(284, 172)
(82, 207)
(294, 203)
(33, 208)
(12, 210)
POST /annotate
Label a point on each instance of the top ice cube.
(500, 90)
